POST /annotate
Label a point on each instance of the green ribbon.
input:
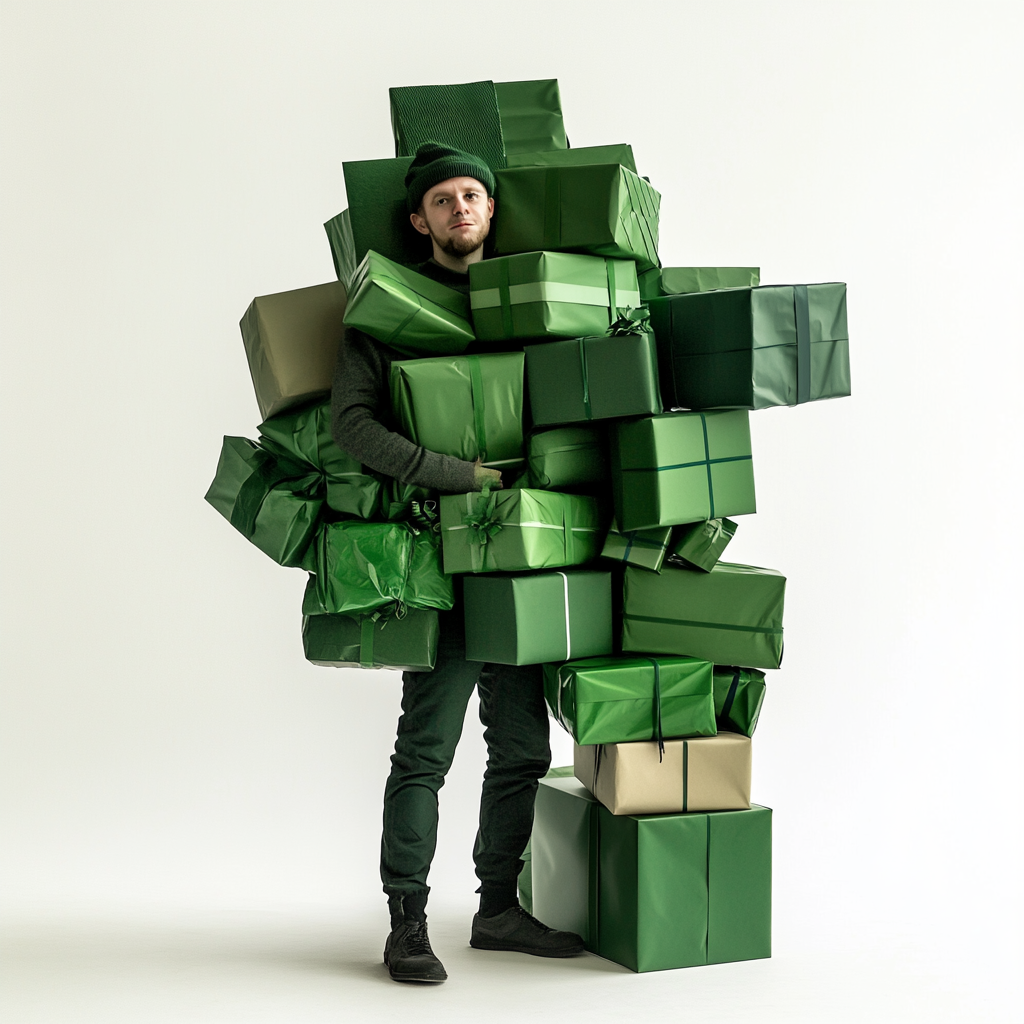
(267, 472)
(366, 628)
(630, 321)
(686, 773)
(552, 208)
(505, 298)
(658, 735)
(706, 625)
(802, 314)
(730, 696)
(476, 383)
(707, 455)
(418, 515)
(484, 523)
(587, 411)
(613, 289)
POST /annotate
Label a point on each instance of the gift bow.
(417, 515)
(483, 521)
(630, 321)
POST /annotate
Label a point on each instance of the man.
(450, 198)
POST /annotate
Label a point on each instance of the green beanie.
(434, 163)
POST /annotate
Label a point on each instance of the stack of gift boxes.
(613, 394)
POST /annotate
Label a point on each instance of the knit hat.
(434, 163)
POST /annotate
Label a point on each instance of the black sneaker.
(519, 932)
(408, 955)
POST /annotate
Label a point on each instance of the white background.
(191, 811)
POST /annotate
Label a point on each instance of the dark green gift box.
(567, 458)
(652, 892)
(531, 117)
(751, 348)
(739, 694)
(616, 154)
(528, 620)
(682, 468)
(623, 699)
(730, 616)
(676, 280)
(646, 548)
(700, 545)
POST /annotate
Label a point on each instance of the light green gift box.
(567, 458)
(700, 545)
(676, 280)
(646, 548)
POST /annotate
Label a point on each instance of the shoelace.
(416, 942)
(520, 912)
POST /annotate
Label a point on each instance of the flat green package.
(273, 501)
(615, 154)
(407, 644)
(739, 694)
(531, 117)
(409, 312)
(645, 548)
(676, 280)
(601, 209)
(623, 699)
(700, 545)
(470, 407)
(510, 530)
(567, 458)
(652, 892)
(549, 295)
(730, 616)
(752, 348)
(529, 620)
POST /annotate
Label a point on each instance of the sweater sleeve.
(360, 405)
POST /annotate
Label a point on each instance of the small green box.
(407, 644)
(567, 458)
(644, 548)
(676, 280)
(700, 545)
(739, 694)
(531, 117)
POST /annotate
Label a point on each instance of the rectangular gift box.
(700, 545)
(751, 348)
(699, 773)
(681, 468)
(615, 154)
(531, 117)
(291, 341)
(645, 548)
(676, 280)
(567, 458)
(343, 248)
(470, 407)
(739, 694)
(652, 892)
(528, 620)
(407, 644)
(549, 295)
(602, 209)
(622, 699)
(730, 616)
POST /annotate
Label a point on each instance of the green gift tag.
(645, 548)
(567, 458)
(675, 280)
(739, 694)
(531, 117)
(619, 154)
(700, 545)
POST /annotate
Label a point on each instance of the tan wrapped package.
(291, 340)
(705, 773)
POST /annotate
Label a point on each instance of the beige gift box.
(705, 773)
(291, 340)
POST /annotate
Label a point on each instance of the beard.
(462, 245)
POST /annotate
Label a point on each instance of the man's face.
(456, 214)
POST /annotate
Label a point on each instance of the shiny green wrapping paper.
(619, 700)
(407, 644)
(567, 458)
(645, 548)
(730, 616)
(676, 280)
(470, 407)
(700, 545)
(531, 117)
(652, 892)
(615, 154)
(739, 694)
(518, 529)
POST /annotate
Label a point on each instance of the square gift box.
(567, 458)
(700, 545)
(645, 548)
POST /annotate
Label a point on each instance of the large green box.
(676, 280)
(652, 892)
(739, 694)
(682, 468)
(751, 348)
(531, 117)
(567, 458)
(730, 616)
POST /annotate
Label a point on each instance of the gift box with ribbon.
(531, 117)
(517, 529)
(645, 548)
(409, 312)
(681, 468)
(652, 892)
(539, 295)
(751, 348)
(700, 545)
(470, 407)
(622, 699)
(739, 694)
(730, 616)
(701, 773)
(567, 458)
(529, 620)
(677, 280)
(616, 154)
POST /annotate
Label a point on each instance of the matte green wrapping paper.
(470, 407)
(730, 616)
(700, 545)
(531, 117)
(407, 644)
(616, 154)
(675, 280)
(549, 295)
(652, 892)
(567, 458)
(602, 209)
(518, 529)
(620, 700)
(682, 468)
(528, 620)
(407, 311)
(739, 694)
(751, 348)
(645, 548)
(343, 246)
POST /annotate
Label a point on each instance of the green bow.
(630, 321)
(417, 515)
(483, 521)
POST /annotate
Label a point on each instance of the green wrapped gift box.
(751, 348)
(676, 280)
(407, 644)
(739, 694)
(730, 616)
(273, 501)
(700, 545)
(646, 548)
(549, 295)
(652, 892)
(616, 154)
(407, 311)
(619, 700)
(343, 246)
(518, 529)
(682, 468)
(529, 620)
(567, 458)
(602, 209)
(531, 117)
(470, 407)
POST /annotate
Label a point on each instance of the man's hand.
(482, 475)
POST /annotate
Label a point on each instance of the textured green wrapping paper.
(602, 209)
(363, 567)
(470, 407)
(682, 468)
(407, 644)
(752, 348)
(645, 548)
(531, 117)
(739, 694)
(730, 616)
(652, 892)
(407, 311)
(619, 700)
(518, 529)
(567, 458)
(528, 620)
(616, 154)
(272, 501)
(675, 280)
(549, 295)
(700, 545)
